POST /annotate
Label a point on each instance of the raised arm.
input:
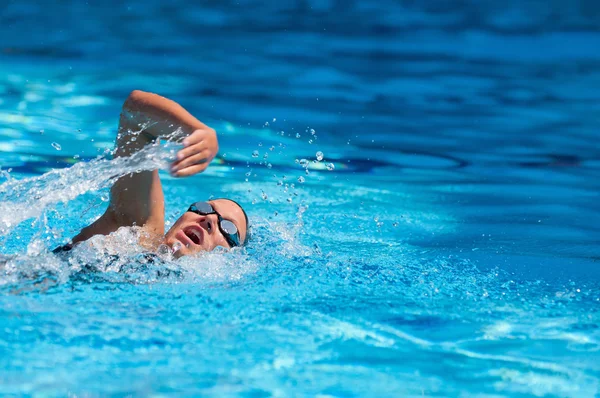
(137, 199)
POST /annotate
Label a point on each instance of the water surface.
(451, 250)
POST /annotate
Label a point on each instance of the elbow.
(138, 98)
(134, 97)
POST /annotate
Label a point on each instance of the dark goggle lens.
(229, 227)
(202, 207)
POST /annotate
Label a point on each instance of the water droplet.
(75, 156)
(104, 198)
(41, 131)
(272, 147)
(249, 173)
(395, 224)
(312, 131)
(224, 155)
(56, 146)
(330, 166)
(274, 119)
(269, 165)
(266, 155)
(254, 154)
(289, 200)
(266, 124)
(260, 144)
(279, 182)
(319, 156)
(264, 196)
(310, 141)
(297, 135)
(301, 179)
(304, 163)
(307, 172)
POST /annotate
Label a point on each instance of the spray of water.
(31, 197)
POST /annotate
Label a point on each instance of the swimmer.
(137, 199)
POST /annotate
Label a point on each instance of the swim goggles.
(227, 228)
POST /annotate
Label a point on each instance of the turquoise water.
(451, 250)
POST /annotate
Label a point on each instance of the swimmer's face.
(195, 233)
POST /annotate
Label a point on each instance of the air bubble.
(269, 165)
(304, 163)
(310, 141)
(289, 200)
(312, 131)
(249, 173)
(301, 179)
(264, 196)
(177, 246)
(56, 146)
(254, 154)
(298, 135)
(330, 166)
(260, 144)
(319, 156)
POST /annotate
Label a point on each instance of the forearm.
(161, 115)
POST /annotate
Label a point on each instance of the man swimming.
(137, 199)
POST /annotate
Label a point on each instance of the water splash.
(30, 197)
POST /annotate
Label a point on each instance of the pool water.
(446, 244)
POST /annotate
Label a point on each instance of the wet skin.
(198, 233)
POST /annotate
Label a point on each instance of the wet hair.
(246, 238)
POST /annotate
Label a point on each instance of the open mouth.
(194, 235)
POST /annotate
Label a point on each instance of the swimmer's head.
(206, 225)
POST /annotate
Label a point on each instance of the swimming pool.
(447, 243)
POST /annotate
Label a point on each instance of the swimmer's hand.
(200, 148)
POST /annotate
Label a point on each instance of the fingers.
(190, 151)
(200, 157)
(200, 148)
(189, 171)
(198, 136)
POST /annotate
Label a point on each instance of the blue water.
(451, 251)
